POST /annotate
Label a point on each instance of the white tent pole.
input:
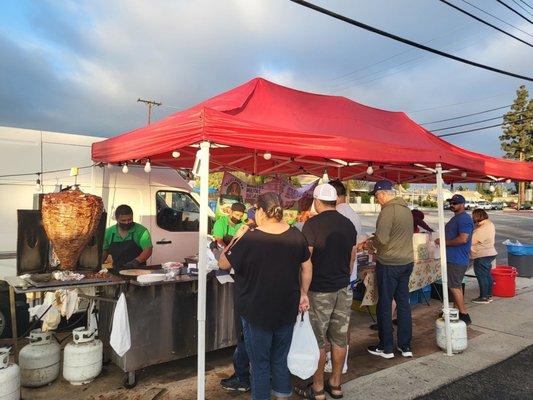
(443, 266)
(202, 265)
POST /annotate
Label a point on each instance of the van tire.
(23, 316)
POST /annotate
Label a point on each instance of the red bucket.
(504, 281)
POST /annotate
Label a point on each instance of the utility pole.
(150, 104)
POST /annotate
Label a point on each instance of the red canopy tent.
(263, 128)
(305, 133)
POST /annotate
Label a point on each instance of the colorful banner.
(290, 194)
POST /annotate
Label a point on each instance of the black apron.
(227, 238)
(123, 252)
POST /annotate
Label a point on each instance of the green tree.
(517, 137)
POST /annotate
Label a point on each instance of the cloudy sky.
(79, 66)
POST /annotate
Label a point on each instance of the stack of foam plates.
(149, 278)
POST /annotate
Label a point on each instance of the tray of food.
(65, 278)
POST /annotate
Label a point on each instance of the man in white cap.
(332, 241)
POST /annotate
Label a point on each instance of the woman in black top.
(273, 273)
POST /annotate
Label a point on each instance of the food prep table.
(163, 324)
(19, 285)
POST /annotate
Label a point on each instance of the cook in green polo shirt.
(129, 243)
(227, 225)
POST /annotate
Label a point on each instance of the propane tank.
(9, 377)
(39, 360)
(82, 358)
(457, 330)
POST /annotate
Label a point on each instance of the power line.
(485, 22)
(393, 56)
(469, 130)
(479, 129)
(412, 62)
(464, 116)
(457, 104)
(467, 124)
(406, 41)
(522, 7)
(474, 123)
(513, 10)
(495, 17)
(44, 172)
(361, 80)
(522, 1)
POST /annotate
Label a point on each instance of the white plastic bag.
(120, 339)
(304, 352)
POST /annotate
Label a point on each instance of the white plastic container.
(458, 332)
(39, 360)
(82, 358)
(9, 377)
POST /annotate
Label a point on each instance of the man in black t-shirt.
(332, 240)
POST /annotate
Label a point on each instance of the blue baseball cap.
(382, 185)
(457, 199)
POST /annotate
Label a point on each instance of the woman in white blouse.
(483, 254)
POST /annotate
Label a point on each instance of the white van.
(161, 200)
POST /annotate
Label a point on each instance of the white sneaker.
(406, 352)
(375, 350)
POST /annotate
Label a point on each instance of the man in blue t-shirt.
(458, 241)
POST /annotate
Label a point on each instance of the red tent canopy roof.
(305, 133)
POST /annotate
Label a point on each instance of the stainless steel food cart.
(162, 317)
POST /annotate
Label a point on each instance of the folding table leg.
(14, 333)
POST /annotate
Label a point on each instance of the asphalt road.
(509, 225)
(509, 379)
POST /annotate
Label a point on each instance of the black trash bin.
(521, 257)
(523, 264)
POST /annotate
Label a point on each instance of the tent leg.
(443, 266)
(202, 265)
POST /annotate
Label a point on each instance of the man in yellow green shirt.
(128, 242)
(227, 225)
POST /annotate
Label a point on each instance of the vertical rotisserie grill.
(70, 218)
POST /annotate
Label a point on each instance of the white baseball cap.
(325, 192)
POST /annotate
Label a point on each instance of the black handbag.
(359, 289)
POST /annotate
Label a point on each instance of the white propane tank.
(9, 377)
(39, 360)
(82, 358)
(457, 329)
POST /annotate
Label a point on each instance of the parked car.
(470, 205)
(525, 206)
(497, 205)
(512, 204)
(485, 205)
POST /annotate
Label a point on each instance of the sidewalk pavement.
(507, 327)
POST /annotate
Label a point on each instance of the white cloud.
(99, 56)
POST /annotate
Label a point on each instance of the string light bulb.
(492, 188)
(147, 167)
(463, 174)
(176, 154)
(370, 170)
(109, 165)
(38, 182)
(267, 155)
(125, 168)
(507, 181)
(325, 176)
